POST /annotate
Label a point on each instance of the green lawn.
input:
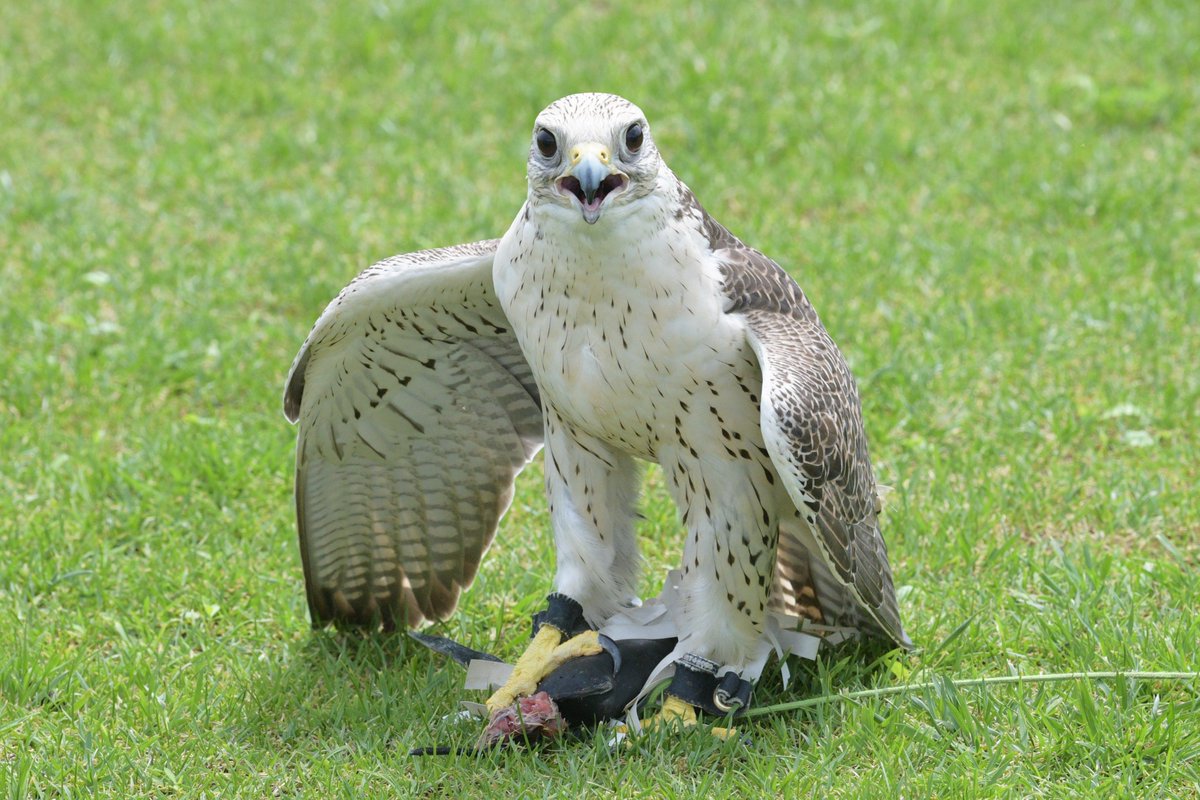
(994, 206)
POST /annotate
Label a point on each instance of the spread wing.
(831, 561)
(416, 411)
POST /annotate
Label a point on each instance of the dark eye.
(547, 145)
(633, 137)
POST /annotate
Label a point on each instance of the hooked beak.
(591, 178)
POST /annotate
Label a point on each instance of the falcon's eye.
(547, 145)
(633, 137)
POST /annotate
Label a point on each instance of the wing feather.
(416, 411)
(831, 561)
(812, 427)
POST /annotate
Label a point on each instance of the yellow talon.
(546, 653)
(673, 712)
(585, 644)
(678, 712)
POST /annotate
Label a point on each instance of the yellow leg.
(546, 653)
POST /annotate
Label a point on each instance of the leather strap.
(722, 696)
(563, 614)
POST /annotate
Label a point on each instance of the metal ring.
(721, 705)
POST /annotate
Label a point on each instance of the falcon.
(615, 323)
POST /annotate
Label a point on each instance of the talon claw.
(679, 712)
(546, 653)
(529, 669)
(673, 712)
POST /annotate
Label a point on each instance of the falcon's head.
(592, 153)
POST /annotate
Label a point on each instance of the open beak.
(591, 178)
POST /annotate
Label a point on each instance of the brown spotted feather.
(416, 411)
(814, 403)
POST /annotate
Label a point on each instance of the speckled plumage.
(649, 332)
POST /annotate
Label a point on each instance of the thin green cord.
(961, 683)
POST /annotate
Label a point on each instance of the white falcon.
(615, 321)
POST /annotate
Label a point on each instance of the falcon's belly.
(628, 348)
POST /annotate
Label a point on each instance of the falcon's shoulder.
(416, 410)
(812, 426)
(416, 277)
